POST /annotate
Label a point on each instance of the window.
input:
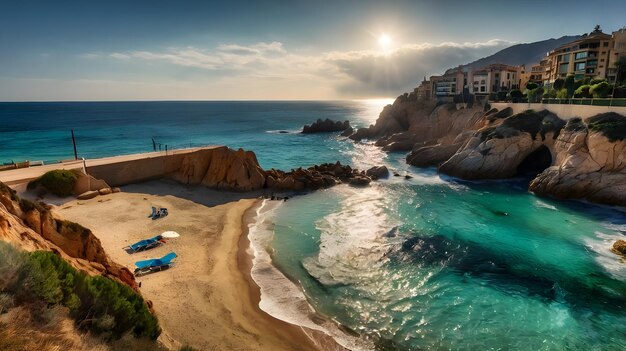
(580, 55)
(605, 44)
(580, 66)
(482, 81)
(497, 75)
(563, 68)
(566, 58)
(591, 63)
(508, 76)
(475, 89)
(482, 89)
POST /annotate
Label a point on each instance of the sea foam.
(280, 297)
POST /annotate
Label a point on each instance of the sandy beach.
(207, 300)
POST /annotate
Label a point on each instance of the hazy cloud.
(350, 74)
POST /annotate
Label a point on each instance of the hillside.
(521, 54)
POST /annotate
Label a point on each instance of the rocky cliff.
(589, 162)
(33, 226)
(580, 160)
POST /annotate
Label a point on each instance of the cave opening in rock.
(535, 163)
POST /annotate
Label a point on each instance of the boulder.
(428, 156)
(619, 247)
(115, 190)
(377, 172)
(360, 181)
(221, 168)
(105, 191)
(326, 126)
(349, 131)
(88, 195)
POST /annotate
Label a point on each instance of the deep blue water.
(41, 131)
(424, 264)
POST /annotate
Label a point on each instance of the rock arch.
(535, 163)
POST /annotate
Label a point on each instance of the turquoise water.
(426, 263)
(439, 264)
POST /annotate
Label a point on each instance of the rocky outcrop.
(221, 168)
(33, 226)
(316, 177)
(619, 247)
(498, 152)
(590, 162)
(326, 126)
(377, 172)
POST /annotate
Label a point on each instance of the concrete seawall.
(563, 111)
(115, 171)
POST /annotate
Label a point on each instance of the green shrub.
(98, 304)
(563, 94)
(569, 85)
(59, 182)
(601, 90)
(531, 86)
(65, 227)
(558, 84)
(528, 121)
(597, 81)
(583, 92)
(610, 124)
(575, 124)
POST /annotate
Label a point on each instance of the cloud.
(402, 70)
(364, 73)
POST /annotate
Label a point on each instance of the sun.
(384, 41)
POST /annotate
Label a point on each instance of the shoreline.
(283, 298)
(312, 338)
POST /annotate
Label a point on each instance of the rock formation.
(316, 177)
(580, 160)
(226, 169)
(590, 162)
(221, 168)
(33, 226)
(619, 247)
(377, 172)
(326, 126)
(498, 152)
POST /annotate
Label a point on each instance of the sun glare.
(385, 42)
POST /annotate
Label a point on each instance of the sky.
(263, 50)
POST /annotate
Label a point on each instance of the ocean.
(429, 263)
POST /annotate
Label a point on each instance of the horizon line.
(198, 100)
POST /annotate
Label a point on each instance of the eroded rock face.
(588, 166)
(32, 226)
(497, 152)
(223, 169)
(326, 126)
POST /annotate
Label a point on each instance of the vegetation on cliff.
(528, 121)
(610, 124)
(59, 182)
(41, 280)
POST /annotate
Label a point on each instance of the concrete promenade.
(116, 170)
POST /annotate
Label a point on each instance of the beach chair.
(162, 212)
(155, 264)
(145, 244)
